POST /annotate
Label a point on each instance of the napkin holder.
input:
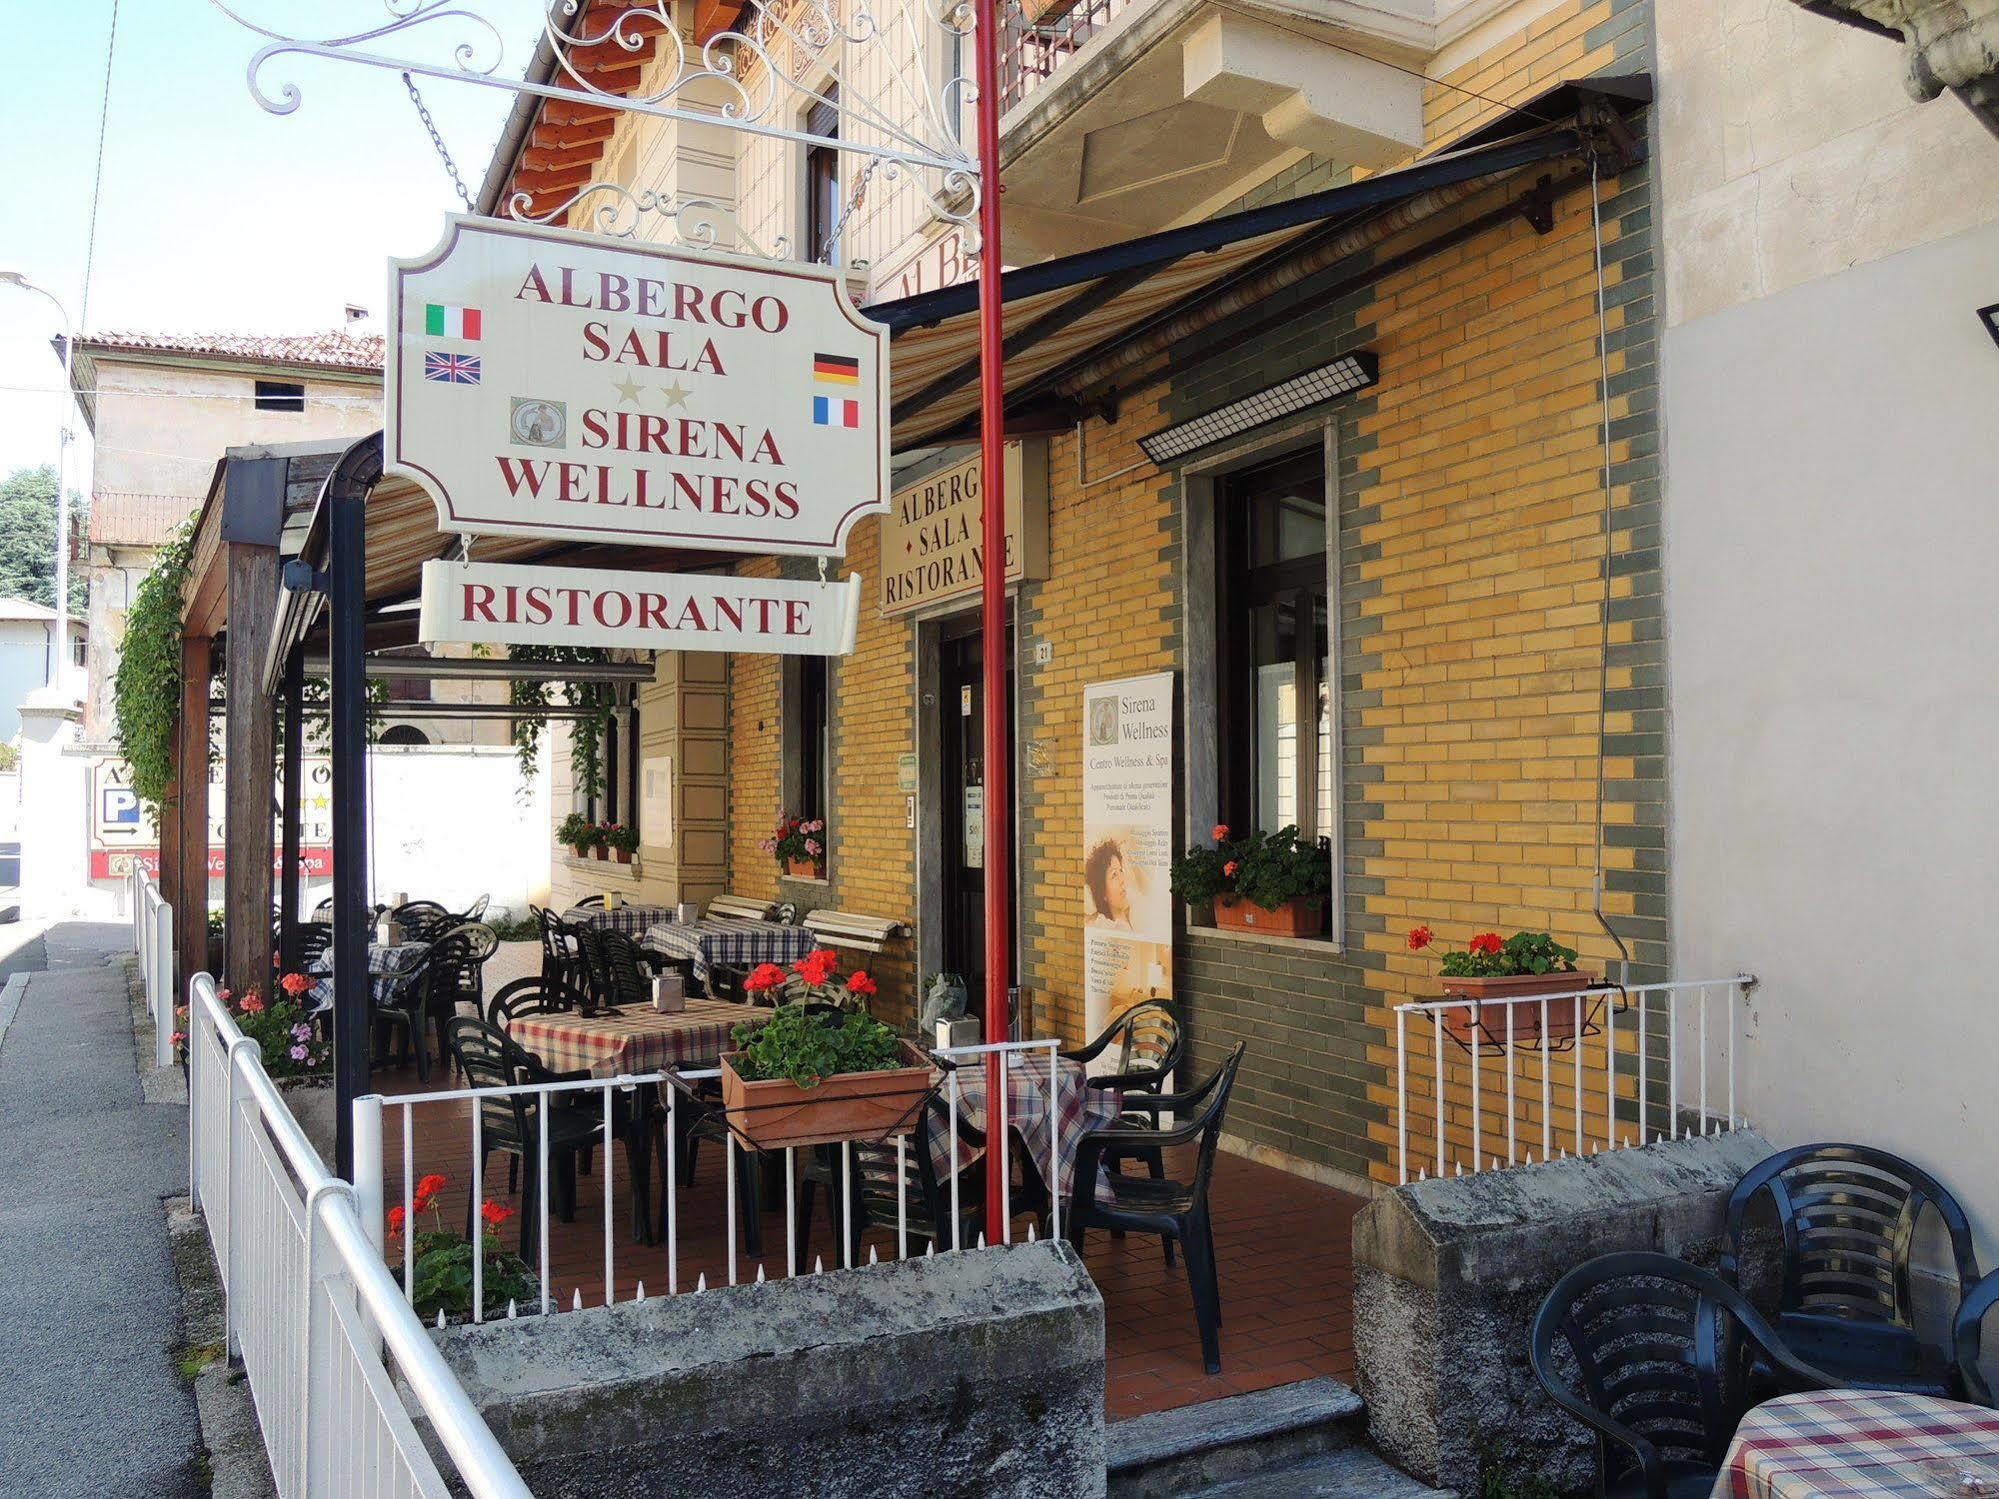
(669, 993)
(687, 912)
(964, 1031)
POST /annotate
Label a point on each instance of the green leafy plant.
(146, 692)
(808, 1048)
(1488, 955)
(286, 1042)
(509, 928)
(618, 837)
(797, 839)
(579, 832)
(441, 1261)
(1265, 869)
(217, 921)
(586, 735)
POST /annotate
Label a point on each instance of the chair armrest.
(1648, 1455)
(1089, 1052)
(1124, 1082)
(1160, 1103)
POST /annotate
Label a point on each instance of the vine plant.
(146, 691)
(586, 735)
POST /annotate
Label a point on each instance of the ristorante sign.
(544, 382)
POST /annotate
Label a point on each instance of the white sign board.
(1127, 867)
(502, 604)
(542, 382)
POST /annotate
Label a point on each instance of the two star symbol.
(628, 390)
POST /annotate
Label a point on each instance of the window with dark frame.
(822, 181)
(280, 395)
(618, 800)
(1273, 627)
(813, 739)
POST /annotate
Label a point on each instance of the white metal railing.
(153, 941)
(1574, 1073)
(371, 1190)
(309, 1305)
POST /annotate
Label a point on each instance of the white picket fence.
(153, 940)
(311, 1308)
(1485, 1084)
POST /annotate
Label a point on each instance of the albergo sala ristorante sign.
(542, 382)
(486, 603)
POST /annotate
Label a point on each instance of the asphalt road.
(89, 1310)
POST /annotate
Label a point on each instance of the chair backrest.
(1656, 1349)
(1848, 1215)
(887, 1185)
(598, 984)
(738, 908)
(1148, 1040)
(490, 1060)
(448, 967)
(627, 979)
(1208, 1107)
(531, 996)
(847, 929)
(1967, 1332)
(313, 938)
(479, 938)
(422, 920)
(477, 909)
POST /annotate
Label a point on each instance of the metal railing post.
(163, 969)
(369, 1200)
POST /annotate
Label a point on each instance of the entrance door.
(962, 738)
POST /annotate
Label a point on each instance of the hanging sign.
(931, 541)
(542, 382)
(1127, 846)
(502, 604)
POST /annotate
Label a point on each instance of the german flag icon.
(835, 369)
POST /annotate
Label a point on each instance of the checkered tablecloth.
(390, 971)
(738, 944)
(637, 1040)
(1842, 1443)
(1028, 1111)
(634, 920)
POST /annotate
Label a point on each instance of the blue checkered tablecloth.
(633, 920)
(737, 944)
(390, 971)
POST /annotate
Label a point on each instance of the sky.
(215, 216)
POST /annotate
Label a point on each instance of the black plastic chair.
(476, 910)
(1177, 1211)
(530, 996)
(877, 1192)
(313, 939)
(1661, 1361)
(422, 920)
(1150, 1044)
(1966, 1333)
(511, 1123)
(1848, 1215)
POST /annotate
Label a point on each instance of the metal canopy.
(1062, 312)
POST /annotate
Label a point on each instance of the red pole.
(992, 494)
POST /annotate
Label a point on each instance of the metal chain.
(423, 113)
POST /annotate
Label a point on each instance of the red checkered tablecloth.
(635, 1041)
(1844, 1443)
(1027, 1112)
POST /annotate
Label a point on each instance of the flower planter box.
(804, 869)
(1522, 1021)
(1295, 918)
(777, 1112)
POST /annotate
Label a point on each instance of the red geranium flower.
(396, 1216)
(817, 967)
(1221, 831)
(426, 1192)
(495, 1213)
(1229, 868)
(251, 1004)
(1486, 942)
(1420, 937)
(764, 976)
(294, 984)
(862, 983)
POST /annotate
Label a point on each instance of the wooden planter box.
(848, 1106)
(1522, 1021)
(804, 869)
(1295, 918)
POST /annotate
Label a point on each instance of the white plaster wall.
(452, 824)
(1790, 151)
(1832, 462)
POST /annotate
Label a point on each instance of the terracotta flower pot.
(581, 850)
(848, 1106)
(805, 869)
(601, 852)
(1297, 917)
(624, 855)
(1523, 1021)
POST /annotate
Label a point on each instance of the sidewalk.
(89, 1307)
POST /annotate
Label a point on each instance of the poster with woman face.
(1128, 766)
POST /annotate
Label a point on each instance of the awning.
(1063, 313)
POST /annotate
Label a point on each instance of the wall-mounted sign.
(542, 382)
(501, 604)
(931, 539)
(122, 833)
(1128, 760)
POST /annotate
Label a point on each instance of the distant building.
(30, 656)
(162, 408)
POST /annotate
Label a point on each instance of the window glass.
(280, 395)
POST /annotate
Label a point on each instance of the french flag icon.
(835, 411)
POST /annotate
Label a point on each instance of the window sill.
(608, 868)
(1318, 947)
(804, 879)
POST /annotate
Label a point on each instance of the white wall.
(1832, 535)
(454, 823)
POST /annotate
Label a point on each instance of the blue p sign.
(121, 806)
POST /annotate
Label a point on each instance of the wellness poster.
(1128, 759)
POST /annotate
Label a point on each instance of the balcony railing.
(1038, 36)
(1483, 1084)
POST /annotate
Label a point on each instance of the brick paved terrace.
(1283, 1249)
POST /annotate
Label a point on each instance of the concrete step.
(1344, 1473)
(1171, 1454)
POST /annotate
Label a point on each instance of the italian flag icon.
(450, 322)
